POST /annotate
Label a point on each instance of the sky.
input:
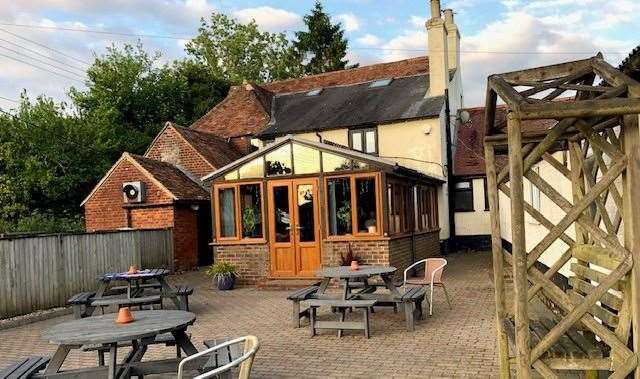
(61, 37)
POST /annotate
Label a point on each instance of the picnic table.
(345, 275)
(105, 331)
(136, 291)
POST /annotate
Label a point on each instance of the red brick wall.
(104, 211)
(251, 260)
(171, 147)
(152, 217)
(426, 245)
(374, 252)
(185, 238)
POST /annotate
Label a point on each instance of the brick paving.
(451, 343)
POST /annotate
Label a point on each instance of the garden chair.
(221, 359)
(433, 270)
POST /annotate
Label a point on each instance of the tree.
(235, 52)
(323, 46)
(202, 90)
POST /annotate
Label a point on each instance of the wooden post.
(498, 259)
(523, 350)
(631, 216)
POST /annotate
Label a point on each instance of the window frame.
(404, 200)
(354, 205)
(363, 139)
(237, 239)
(426, 203)
(470, 189)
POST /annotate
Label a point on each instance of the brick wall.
(151, 217)
(171, 147)
(373, 252)
(104, 211)
(426, 245)
(251, 260)
(185, 238)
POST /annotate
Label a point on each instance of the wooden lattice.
(597, 127)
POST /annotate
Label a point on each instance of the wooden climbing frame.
(590, 113)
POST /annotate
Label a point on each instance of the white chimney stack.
(438, 51)
(453, 40)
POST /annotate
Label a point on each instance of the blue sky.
(497, 36)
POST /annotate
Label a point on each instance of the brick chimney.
(438, 51)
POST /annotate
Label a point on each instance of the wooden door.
(293, 227)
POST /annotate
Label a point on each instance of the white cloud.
(349, 21)
(410, 43)
(369, 40)
(269, 18)
(417, 21)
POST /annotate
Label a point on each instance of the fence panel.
(42, 272)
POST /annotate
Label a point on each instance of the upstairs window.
(364, 140)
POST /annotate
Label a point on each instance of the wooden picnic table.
(344, 274)
(136, 285)
(105, 331)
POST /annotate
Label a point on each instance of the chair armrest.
(404, 282)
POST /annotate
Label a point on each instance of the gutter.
(452, 222)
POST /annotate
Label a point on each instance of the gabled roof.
(247, 108)
(166, 176)
(469, 152)
(631, 64)
(213, 149)
(173, 179)
(382, 163)
(352, 105)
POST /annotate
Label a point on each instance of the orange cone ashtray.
(132, 270)
(124, 316)
(354, 266)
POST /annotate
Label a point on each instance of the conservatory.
(295, 205)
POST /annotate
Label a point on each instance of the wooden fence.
(42, 272)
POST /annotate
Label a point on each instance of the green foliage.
(323, 47)
(235, 52)
(43, 223)
(221, 270)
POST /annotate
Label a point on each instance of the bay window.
(238, 211)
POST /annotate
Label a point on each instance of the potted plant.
(224, 273)
(250, 218)
(344, 215)
(349, 258)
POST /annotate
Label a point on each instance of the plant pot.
(371, 229)
(226, 283)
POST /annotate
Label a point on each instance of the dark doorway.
(205, 251)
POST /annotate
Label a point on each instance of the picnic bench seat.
(412, 300)
(79, 303)
(341, 324)
(24, 368)
(127, 302)
(166, 338)
(297, 297)
(182, 292)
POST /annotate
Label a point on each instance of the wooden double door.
(294, 227)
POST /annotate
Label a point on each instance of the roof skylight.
(380, 83)
(314, 92)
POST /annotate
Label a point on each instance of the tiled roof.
(214, 149)
(469, 151)
(247, 108)
(174, 180)
(352, 105)
(631, 64)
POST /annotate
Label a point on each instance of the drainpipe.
(450, 184)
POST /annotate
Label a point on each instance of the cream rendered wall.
(534, 232)
(477, 222)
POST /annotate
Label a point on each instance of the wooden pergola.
(590, 322)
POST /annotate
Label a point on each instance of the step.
(285, 284)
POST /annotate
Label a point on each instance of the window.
(278, 162)
(252, 169)
(463, 196)
(380, 83)
(239, 211)
(306, 160)
(314, 92)
(400, 205)
(364, 140)
(352, 205)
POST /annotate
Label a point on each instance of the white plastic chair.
(251, 346)
(433, 271)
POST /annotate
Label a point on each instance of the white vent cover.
(133, 192)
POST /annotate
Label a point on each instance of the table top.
(104, 329)
(343, 272)
(140, 274)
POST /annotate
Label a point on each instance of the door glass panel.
(306, 220)
(279, 161)
(306, 160)
(227, 212)
(366, 199)
(282, 215)
(339, 204)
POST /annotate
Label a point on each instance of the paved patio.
(451, 343)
